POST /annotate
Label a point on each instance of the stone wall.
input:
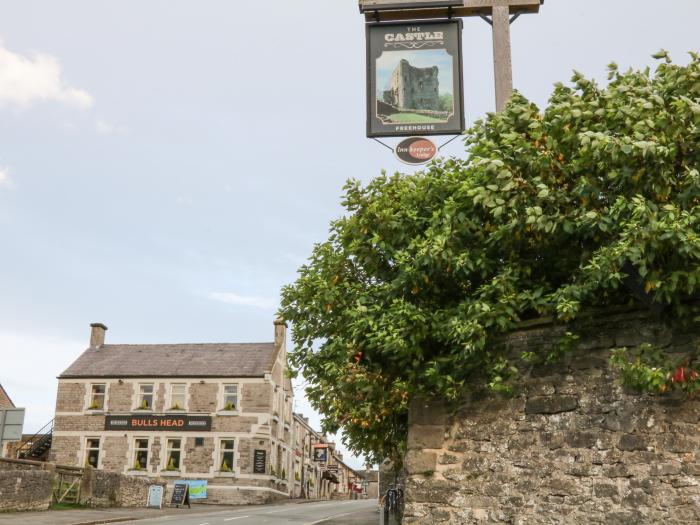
(571, 446)
(25, 490)
(24, 485)
(101, 488)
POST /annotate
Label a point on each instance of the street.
(361, 512)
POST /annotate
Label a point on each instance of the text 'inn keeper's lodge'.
(216, 412)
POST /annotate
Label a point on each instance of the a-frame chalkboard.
(181, 495)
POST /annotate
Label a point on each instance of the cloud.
(6, 181)
(27, 80)
(244, 300)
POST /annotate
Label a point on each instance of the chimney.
(97, 336)
(280, 333)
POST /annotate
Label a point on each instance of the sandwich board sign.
(181, 494)
(155, 497)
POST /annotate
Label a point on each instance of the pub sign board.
(414, 79)
(259, 461)
(159, 423)
(320, 453)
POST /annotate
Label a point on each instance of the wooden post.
(502, 64)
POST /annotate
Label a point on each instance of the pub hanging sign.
(414, 79)
(158, 423)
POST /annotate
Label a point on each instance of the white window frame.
(171, 403)
(237, 407)
(167, 449)
(140, 396)
(220, 455)
(135, 451)
(88, 449)
(90, 397)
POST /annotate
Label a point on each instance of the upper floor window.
(230, 397)
(97, 396)
(178, 395)
(145, 401)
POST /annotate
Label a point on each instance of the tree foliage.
(592, 202)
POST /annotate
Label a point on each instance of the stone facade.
(572, 446)
(258, 418)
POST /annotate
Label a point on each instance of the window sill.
(228, 413)
(132, 472)
(174, 473)
(95, 411)
(224, 474)
(143, 410)
(176, 410)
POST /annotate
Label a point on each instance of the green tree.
(550, 212)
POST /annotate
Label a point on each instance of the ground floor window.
(92, 452)
(140, 453)
(226, 455)
(173, 452)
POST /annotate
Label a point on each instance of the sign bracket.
(385, 145)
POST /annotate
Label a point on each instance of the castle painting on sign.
(414, 79)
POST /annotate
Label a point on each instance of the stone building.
(307, 472)
(414, 87)
(215, 412)
(5, 401)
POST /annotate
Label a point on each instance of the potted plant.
(144, 405)
(229, 406)
(176, 406)
(137, 465)
(171, 465)
(94, 406)
(225, 467)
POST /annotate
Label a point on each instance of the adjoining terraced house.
(215, 412)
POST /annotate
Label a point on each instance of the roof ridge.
(187, 344)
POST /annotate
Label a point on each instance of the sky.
(166, 166)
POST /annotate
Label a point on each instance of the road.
(359, 512)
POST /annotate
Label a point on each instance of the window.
(92, 452)
(173, 451)
(145, 397)
(97, 397)
(177, 396)
(230, 397)
(140, 453)
(226, 455)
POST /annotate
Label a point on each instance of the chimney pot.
(97, 335)
(280, 332)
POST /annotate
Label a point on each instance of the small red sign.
(415, 150)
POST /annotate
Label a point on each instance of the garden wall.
(27, 485)
(24, 485)
(571, 446)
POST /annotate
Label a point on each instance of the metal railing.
(43, 434)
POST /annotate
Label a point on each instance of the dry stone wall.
(572, 446)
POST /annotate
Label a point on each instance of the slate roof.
(180, 360)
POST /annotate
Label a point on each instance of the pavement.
(359, 512)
